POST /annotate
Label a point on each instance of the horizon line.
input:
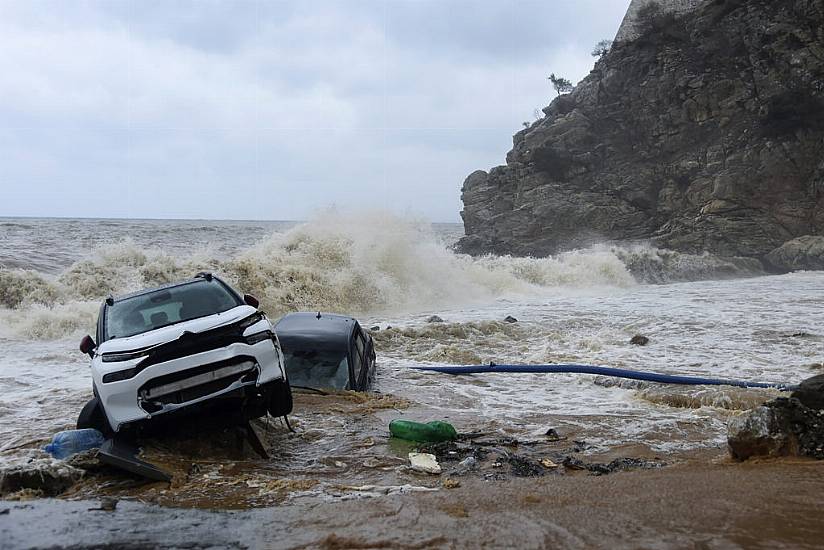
(92, 218)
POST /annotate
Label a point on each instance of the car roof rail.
(204, 275)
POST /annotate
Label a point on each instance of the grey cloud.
(272, 109)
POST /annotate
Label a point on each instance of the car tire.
(280, 398)
(92, 416)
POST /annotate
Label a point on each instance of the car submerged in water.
(179, 348)
(326, 351)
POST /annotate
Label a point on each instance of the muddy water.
(339, 441)
(581, 307)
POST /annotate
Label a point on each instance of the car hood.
(171, 333)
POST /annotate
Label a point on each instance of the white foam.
(358, 263)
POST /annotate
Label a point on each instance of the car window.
(322, 369)
(167, 306)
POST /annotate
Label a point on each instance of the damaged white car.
(185, 347)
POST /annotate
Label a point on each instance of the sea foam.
(363, 263)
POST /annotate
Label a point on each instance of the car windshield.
(322, 369)
(167, 306)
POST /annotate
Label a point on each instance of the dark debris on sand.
(527, 458)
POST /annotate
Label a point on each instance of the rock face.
(633, 26)
(802, 253)
(703, 134)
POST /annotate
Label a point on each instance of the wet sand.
(772, 504)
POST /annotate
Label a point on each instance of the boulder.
(49, 476)
(757, 433)
(811, 392)
(639, 340)
(434, 319)
(782, 427)
(553, 435)
(803, 253)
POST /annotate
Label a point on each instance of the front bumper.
(182, 382)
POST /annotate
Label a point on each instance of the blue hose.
(605, 371)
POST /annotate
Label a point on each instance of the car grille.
(182, 387)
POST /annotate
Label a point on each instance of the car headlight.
(251, 320)
(124, 356)
(119, 375)
(265, 334)
(253, 339)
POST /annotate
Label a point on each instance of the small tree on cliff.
(602, 48)
(561, 85)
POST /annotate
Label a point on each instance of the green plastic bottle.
(431, 432)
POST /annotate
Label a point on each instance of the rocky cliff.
(634, 25)
(703, 133)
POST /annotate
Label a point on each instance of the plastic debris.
(70, 442)
(123, 455)
(431, 432)
(424, 462)
(467, 464)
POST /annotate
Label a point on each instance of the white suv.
(187, 346)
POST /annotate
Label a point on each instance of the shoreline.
(767, 504)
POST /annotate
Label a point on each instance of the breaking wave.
(22, 286)
(358, 264)
(657, 266)
(361, 264)
(41, 322)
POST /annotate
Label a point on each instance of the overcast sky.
(268, 109)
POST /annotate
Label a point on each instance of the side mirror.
(87, 345)
(251, 300)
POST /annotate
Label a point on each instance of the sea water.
(393, 274)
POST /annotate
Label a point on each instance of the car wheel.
(280, 398)
(92, 416)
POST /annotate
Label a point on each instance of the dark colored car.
(324, 350)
